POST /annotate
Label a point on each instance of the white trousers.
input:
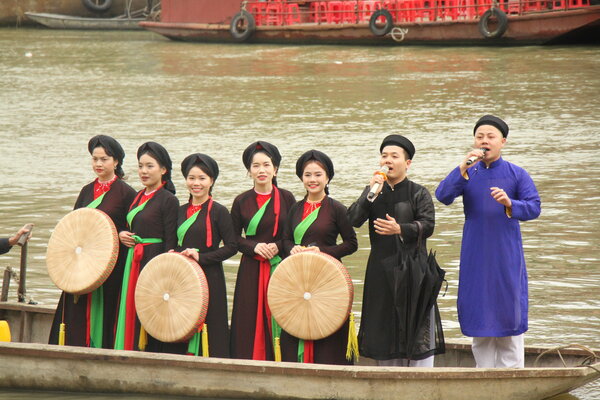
(499, 352)
(403, 362)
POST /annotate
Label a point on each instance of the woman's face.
(150, 172)
(198, 183)
(103, 165)
(314, 179)
(262, 169)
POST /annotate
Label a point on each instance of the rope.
(590, 359)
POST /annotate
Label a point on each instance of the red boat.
(386, 22)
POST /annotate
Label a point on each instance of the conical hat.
(171, 297)
(82, 251)
(310, 295)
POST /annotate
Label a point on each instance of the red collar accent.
(102, 187)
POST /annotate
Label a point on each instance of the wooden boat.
(36, 366)
(12, 12)
(382, 22)
(58, 21)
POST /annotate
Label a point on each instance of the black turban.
(268, 148)
(111, 147)
(212, 168)
(398, 140)
(493, 121)
(161, 155)
(315, 155)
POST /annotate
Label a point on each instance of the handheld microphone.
(373, 191)
(471, 160)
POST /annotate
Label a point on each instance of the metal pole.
(22, 274)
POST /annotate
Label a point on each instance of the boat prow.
(58, 21)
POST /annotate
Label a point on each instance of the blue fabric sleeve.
(528, 204)
(451, 187)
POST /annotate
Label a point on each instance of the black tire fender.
(242, 26)
(97, 5)
(386, 28)
(484, 28)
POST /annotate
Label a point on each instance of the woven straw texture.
(310, 295)
(171, 297)
(82, 251)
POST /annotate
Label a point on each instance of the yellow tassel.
(61, 334)
(277, 350)
(352, 349)
(205, 352)
(4, 331)
(143, 339)
(75, 298)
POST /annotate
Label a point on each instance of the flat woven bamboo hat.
(310, 295)
(171, 297)
(82, 251)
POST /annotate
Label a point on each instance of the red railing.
(283, 12)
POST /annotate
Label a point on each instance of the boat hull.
(36, 366)
(58, 21)
(12, 12)
(64, 368)
(535, 28)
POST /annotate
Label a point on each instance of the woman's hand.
(191, 253)
(126, 238)
(266, 250)
(300, 249)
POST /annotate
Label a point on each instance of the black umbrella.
(415, 280)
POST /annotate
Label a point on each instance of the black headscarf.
(161, 155)
(266, 147)
(209, 165)
(212, 168)
(315, 155)
(398, 140)
(112, 149)
(493, 121)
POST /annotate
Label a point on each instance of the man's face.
(395, 159)
(490, 138)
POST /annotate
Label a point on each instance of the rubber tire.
(240, 17)
(92, 6)
(502, 23)
(389, 22)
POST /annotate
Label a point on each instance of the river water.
(59, 88)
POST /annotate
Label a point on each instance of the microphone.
(471, 160)
(373, 191)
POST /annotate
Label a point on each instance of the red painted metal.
(448, 22)
(200, 11)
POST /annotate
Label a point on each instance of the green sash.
(131, 214)
(299, 232)
(194, 344)
(120, 333)
(253, 224)
(304, 225)
(97, 306)
(96, 203)
(183, 228)
(275, 328)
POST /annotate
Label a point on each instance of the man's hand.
(23, 231)
(387, 226)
